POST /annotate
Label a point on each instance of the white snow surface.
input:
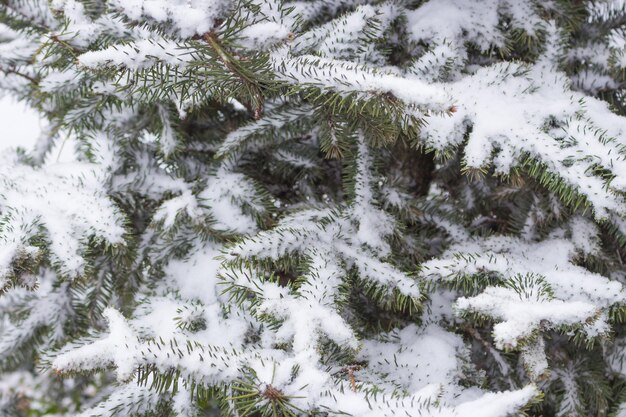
(19, 124)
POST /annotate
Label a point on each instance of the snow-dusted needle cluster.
(315, 208)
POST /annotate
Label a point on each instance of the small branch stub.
(271, 393)
(350, 370)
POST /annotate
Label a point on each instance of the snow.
(422, 357)
(449, 19)
(260, 34)
(542, 288)
(224, 197)
(141, 54)
(188, 17)
(534, 358)
(374, 224)
(349, 35)
(552, 259)
(346, 77)
(499, 403)
(339, 288)
(508, 111)
(273, 120)
(65, 199)
(52, 312)
(301, 232)
(167, 212)
(521, 315)
(129, 398)
(19, 124)
(476, 21)
(118, 347)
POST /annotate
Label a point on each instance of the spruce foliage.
(315, 208)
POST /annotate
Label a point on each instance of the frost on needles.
(315, 208)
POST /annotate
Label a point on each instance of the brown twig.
(350, 370)
(233, 66)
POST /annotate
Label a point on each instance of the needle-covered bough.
(315, 208)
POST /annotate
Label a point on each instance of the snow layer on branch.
(14, 49)
(81, 30)
(232, 200)
(168, 211)
(229, 201)
(521, 315)
(515, 112)
(125, 400)
(310, 313)
(67, 199)
(337, 38)
(309, 9)
(139, 54)
(616, 357)
(49, 307)
(497, 404)
(119, 347)
(303, 233)
(554, 291)
(334, 243)
(474, 21)
(271, 23)
(197, 278)
(373, 224)
(350, 36)
(187, 17)
(58, 81)
(552, 259)
(36, 11)
(148, 341)
(274, 120)
(346, 77)
(421, 357)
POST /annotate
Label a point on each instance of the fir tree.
(315, 208)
